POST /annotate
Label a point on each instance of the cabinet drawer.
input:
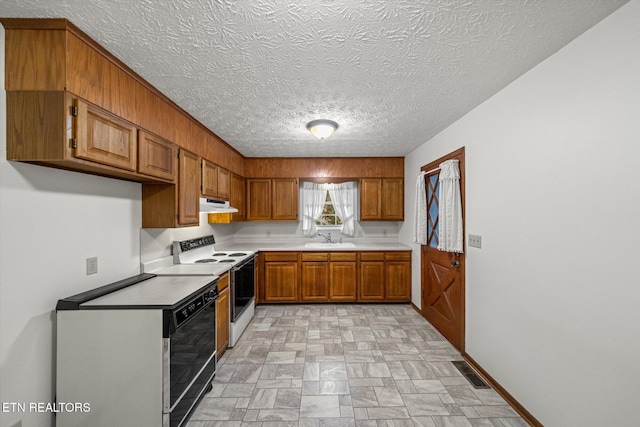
(223, 282)
(372, 256)
(315, 256)
(343, 256)
(280, 256)
(398, 256)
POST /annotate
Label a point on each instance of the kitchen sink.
(329, 246)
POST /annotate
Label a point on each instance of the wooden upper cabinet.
(215, 181)
(393, 199)
(370, 199)
(156, 156)
(258, 199)
(189, 189)
(382, 199)
(209, 179)
(284, 199)
(224, 183)
(272, 199)
(237, 197)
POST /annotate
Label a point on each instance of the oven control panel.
(195, 305)
(188, 245)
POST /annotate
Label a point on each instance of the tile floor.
(345, 365)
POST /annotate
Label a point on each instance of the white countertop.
(208, 269)
(298, 246)
(157, 292)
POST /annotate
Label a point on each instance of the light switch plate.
(475, 241)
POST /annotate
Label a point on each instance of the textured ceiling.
(391, 73)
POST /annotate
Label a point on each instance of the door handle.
(455, 263)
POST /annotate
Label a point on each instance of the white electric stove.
(199, 257)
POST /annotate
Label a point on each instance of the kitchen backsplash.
(156, 242)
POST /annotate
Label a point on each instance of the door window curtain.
(450, 208)
(313, 197)
(420, 219)
(343, 197)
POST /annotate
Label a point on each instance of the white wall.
(50, 222)
(553, 187)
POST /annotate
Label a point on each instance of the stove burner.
(227, 260)
(237, 254)
(219, 254)
(206, 260)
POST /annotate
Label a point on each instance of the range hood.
(215, 206)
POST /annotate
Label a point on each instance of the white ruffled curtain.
(343, 197)
(313, 198)
(420, 219)
(450, 208)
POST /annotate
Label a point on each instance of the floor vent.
(469, 374)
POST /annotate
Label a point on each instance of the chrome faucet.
(327, 238)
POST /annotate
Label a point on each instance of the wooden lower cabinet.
(343, 274)
(335, 277)
(371, 280)
(281, 277)
(314, 277)
(222, 316)
(397, 274)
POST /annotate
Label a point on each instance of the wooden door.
(284, 199)
(443, 291)
(222, 316)
(188, 189)
(258, 199)
(370, 199)
(156, 156)
(343, 277)
(398, 275)
(314, 280)
(104, 138)
(281, 281)
(393, 199)
(237, 197)
(372, 281)
(223, 183)
(209, 179)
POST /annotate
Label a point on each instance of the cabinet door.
(284, 200)
(342, 281)
(209, 179)
(223, 183)
(393, 199)
(370, 199)
(281, 282)
(156, 156)
(314, 281)
(371, 281)
(104, 138)
(398, 278)
(237, 197)
(222, 319)
(258, 199)
(188, 189)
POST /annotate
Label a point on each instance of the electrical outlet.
(92, 265)
(475, 241)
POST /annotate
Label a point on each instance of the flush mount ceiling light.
(322, 128)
